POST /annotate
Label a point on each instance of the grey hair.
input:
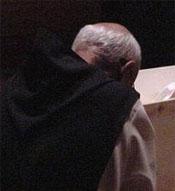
(107, 43)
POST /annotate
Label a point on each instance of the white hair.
(107, 43)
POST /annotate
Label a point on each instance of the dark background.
(152, 23)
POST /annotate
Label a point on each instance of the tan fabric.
(132, 165)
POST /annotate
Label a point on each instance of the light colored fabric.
(132, 165)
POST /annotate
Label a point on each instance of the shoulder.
(113, 91)
(139, 124)
(116, 95)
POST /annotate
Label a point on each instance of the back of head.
(110, 45)
(108, 40)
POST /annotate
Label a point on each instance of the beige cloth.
(132, 165)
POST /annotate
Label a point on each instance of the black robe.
(60, 120)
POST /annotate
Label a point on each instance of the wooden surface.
(150, 83)
(162, 116)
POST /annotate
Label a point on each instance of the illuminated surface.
(150, 83)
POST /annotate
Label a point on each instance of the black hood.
(51, 77)
(60, 120)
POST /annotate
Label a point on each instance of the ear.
(129, 73)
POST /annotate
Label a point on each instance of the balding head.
(109, 44)
(113, 26)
